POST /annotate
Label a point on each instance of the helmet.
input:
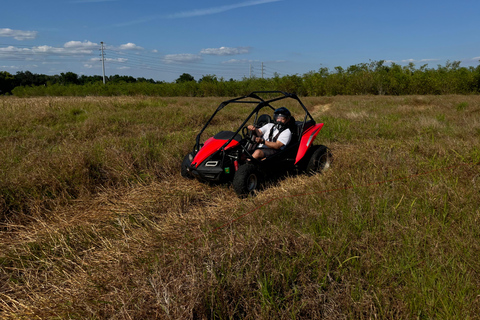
(281, 113)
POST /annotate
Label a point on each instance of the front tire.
(187, 160)
(246, 180)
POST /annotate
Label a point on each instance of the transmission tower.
(103, 63)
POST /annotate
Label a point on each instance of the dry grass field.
(96, 222)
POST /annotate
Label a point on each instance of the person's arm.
(274, 145)
(257, 131)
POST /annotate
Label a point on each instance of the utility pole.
(103, 63)
(262, 70)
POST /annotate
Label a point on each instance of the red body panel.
(211, 145)
(307, 140)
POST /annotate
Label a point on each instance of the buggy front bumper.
(209, 173)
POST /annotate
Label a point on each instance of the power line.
(142, 61)
(156, 63)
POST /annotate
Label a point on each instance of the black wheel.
(246, 180)
(319, 161)
(185, 164)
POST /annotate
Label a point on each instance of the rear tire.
(247, 180)
(320, 160)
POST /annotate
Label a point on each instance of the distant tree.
(209, 78)
(6, 82)
(141, 79)
(24, 78)
(118, 78)
(69, 78)
(83, 79)
(185, 77)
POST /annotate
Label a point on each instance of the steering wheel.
(251, 143)
(247, 134)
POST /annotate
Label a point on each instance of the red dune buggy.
(227, 156)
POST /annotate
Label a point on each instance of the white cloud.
(130, 46)
(70, 48)
(225, 51)
(16, 53)
(9, 67)
(214, 10)
(48, 50)
(196, 12)
(10, 50)
(120, 60)
(182, 58)
(19, 67)
(235, 61)
(78, 44)
(417, 61)
(18, 34)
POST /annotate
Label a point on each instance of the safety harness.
(280, 130)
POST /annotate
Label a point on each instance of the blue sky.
(232, 38)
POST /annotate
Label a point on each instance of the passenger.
(272, 137)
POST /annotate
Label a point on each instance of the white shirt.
(284, 137)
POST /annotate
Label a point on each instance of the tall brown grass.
(97, 224)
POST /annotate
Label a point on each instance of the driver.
(272, 136)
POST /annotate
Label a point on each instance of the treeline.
(373, 78)
(28, 79)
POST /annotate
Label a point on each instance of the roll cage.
(253, 98)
